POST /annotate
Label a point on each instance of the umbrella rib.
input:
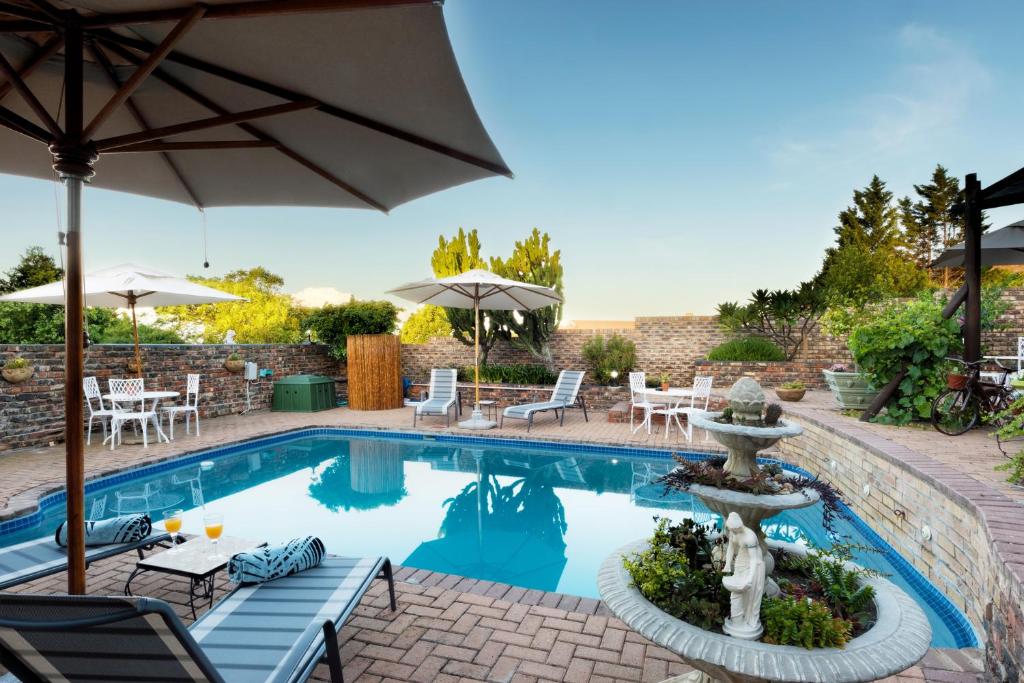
(23, 12)
(107, 144)
(47, 50)
(19, 124)
(143, 70)
(140, 119)
(16, 81)
(257, 133)
(239, 10)
(197, 146)
(49, 10)
(284, 93)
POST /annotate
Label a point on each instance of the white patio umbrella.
(478, 289)
(1002, 247)
(126, 286)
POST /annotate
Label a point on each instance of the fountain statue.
(898, 638)
(746, 585)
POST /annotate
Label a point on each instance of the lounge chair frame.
(553, 404)
(132, 608)
(92, 554)
(438, 375)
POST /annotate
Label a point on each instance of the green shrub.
(425, 324)
(617, 354)
(510, 374)
(804, 622)
(793, 386)
(663, 575)
(119, 331)
(747, 349)
(914, 335)
(16, 363)
(331, 325)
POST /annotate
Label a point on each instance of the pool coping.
(963, 631)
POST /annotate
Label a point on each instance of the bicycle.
(959, 408)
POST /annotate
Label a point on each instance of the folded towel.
(269, 563)
(127, 529)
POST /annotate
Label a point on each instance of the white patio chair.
(701, 392)
(102, 413)
(638, 399)
(126, 396)
(191, 406)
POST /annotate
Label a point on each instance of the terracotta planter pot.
(18, 375)
(790, 394)
(234, 365)
(664, 386)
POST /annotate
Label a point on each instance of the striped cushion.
(525, 409)
(126, 529)
(269, 563)
(264, 632)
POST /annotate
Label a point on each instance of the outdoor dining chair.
(102, 413)
(125, 393)
(191, 406)
(638, 399)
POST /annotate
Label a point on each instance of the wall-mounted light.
(926, 533)
(867, 489)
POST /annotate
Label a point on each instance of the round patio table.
(142, 397)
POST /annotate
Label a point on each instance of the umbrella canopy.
(128, 285)
(1002, 247)
(478, 289)
(124, 285)
(361, 109)
(348, 103)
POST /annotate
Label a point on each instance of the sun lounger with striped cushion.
(43, 557)
(565, 395)
(273, 632)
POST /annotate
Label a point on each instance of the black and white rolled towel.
(273, 562)
(126, 529)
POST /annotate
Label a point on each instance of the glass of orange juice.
(172, 523)
(214, 525)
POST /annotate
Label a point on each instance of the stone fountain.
(899, 637)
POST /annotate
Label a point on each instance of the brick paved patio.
(447, 628)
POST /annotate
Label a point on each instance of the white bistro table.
(155, 396)
(662, 397)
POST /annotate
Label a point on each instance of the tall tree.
(40, 323)
(424, 324)
(454, 256)
(919, 235)
(933, 210)
(871, 258)
(533, 262)
(267, 316)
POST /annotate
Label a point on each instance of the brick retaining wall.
(768, 374)
(32, 413)
(976, 551)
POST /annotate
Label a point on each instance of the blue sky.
(679, 153)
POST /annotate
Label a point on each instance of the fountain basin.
(899, 638)
(744, 441)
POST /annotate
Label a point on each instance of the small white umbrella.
(128, 285)
(478, 289)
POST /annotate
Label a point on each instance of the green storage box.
(304, 394)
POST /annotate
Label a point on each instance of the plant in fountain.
(676, 572)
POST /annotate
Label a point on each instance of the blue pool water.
(540, 516)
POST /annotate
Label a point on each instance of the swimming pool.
(532, 514)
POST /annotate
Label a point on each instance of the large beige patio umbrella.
(341, 103)
(478, 289)
(128, 285)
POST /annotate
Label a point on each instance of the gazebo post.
(972, 268)
(73, 160)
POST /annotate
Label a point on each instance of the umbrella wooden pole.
(135, 332)
(73, 162)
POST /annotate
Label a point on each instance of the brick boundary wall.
(768, 374)
(32, 413)
(976, 552)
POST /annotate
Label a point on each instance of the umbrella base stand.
(477, 421)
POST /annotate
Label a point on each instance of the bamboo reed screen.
(374, 372)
